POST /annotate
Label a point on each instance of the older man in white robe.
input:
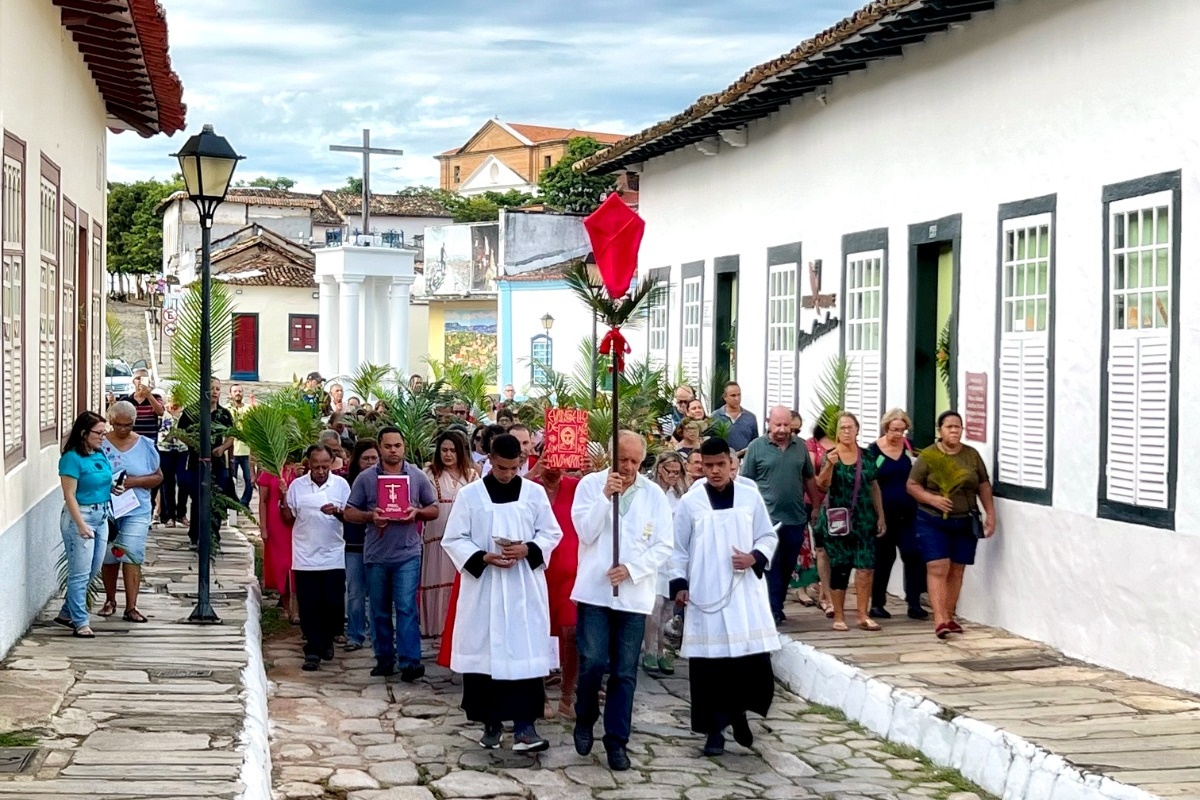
(500, 534)
(614, 601)
(724, 541)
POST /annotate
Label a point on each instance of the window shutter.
(1139, 391)
(863, 396)
(1023, 413)
(693, 303)
(781, 336)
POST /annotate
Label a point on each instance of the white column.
(350, 330)
(366, 352)
(383, 322)
(398, 319)
(327, 326)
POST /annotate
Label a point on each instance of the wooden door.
(245, 347)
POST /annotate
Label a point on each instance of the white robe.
(645, 544)
(502, 620)
(728, 613)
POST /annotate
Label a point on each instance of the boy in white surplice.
(499, 535)
(723, 545)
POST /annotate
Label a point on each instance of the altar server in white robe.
(500, 534)
(611, 624)
(724, 541)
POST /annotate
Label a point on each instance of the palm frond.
(831, 393)
(368, 380)
(628, 310)
(189, 385)
(943, 353)
(945, 474)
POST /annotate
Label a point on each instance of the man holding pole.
(619, 557)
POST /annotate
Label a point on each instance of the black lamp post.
(207, 161)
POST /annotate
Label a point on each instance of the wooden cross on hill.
(366, 151)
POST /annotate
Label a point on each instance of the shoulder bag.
(840, 520)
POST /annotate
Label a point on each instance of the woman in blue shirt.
(87, 489)
(136, 456)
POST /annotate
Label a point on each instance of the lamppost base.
(203, 614)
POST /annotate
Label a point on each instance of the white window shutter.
(862, 394)
(1139, 394)
(781, 379)
(1023, 412)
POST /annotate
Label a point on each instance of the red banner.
(565, 439)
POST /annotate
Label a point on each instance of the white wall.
(529, 303)
(1036, 98)
(273, 304)
(49, 100)
(181, 229)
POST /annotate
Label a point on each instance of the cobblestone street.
(340, 732)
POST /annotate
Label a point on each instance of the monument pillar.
(327, 326)
(401, 291)
(350, 329)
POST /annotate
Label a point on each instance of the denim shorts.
(131, 537)
(939, 539)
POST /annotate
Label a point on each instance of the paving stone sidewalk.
(341, 733)
(1102, 721)
(149, 710)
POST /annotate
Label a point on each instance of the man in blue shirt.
(392, 555)
(743, 425)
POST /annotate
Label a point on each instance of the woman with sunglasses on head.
(87, 487)
(893, 456)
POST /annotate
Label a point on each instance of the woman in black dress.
(893, 456)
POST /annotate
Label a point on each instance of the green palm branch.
(945, 474)
(943, 353)
(368, 380)
(629, 310)
(185, 345)
(415, 416)
(831, 393)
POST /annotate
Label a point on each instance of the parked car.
(118, 377)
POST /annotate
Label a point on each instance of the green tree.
(135, 227)
(263, 182)
(564, 188)
(353, 185)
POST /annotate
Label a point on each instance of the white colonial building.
(70, 71)
(1023, 175)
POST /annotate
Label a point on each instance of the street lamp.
(207, 162)
(547, 323)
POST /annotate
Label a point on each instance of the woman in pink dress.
(451, 470)
(276, 535)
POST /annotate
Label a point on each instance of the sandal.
(133, 615)
(84, 633)
(869, 625)
(108, 609)
(62, 621)
(827, 607)
(840, 627)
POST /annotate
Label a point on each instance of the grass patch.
(273, 621)
(18, 739)
(258, 559)
(903, 751)
(834, 714)
(957, 784)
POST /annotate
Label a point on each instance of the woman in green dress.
(848, 480)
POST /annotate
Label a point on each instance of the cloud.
(284, 79)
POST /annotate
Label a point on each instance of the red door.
(245, 347)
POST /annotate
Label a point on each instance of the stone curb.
(1006, 765)
(255, 738)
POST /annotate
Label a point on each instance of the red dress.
(560, 574)
(277, 548)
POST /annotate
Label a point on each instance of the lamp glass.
(207, 177)
(547, 322)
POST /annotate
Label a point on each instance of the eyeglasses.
(901, 429)
(98, 431)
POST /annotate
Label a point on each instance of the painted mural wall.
(462, 259)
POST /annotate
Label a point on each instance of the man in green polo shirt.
(780, 465)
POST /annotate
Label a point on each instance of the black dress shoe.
(715, 745)
(410, 674)
(916, 612)
(584, 739)
(328, 654)
(383, 668)
(741, 731)
(618, 759)
(879, 612)
(311, 664)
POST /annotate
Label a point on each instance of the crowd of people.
(513, 563)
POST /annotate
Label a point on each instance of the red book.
(393, 495)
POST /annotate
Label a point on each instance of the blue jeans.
(787, 553)
(132, 532)
(395, 586)
(356, 598)
(608, 641)
(84, 557)
(242, 464)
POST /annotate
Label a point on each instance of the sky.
(284, 79)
